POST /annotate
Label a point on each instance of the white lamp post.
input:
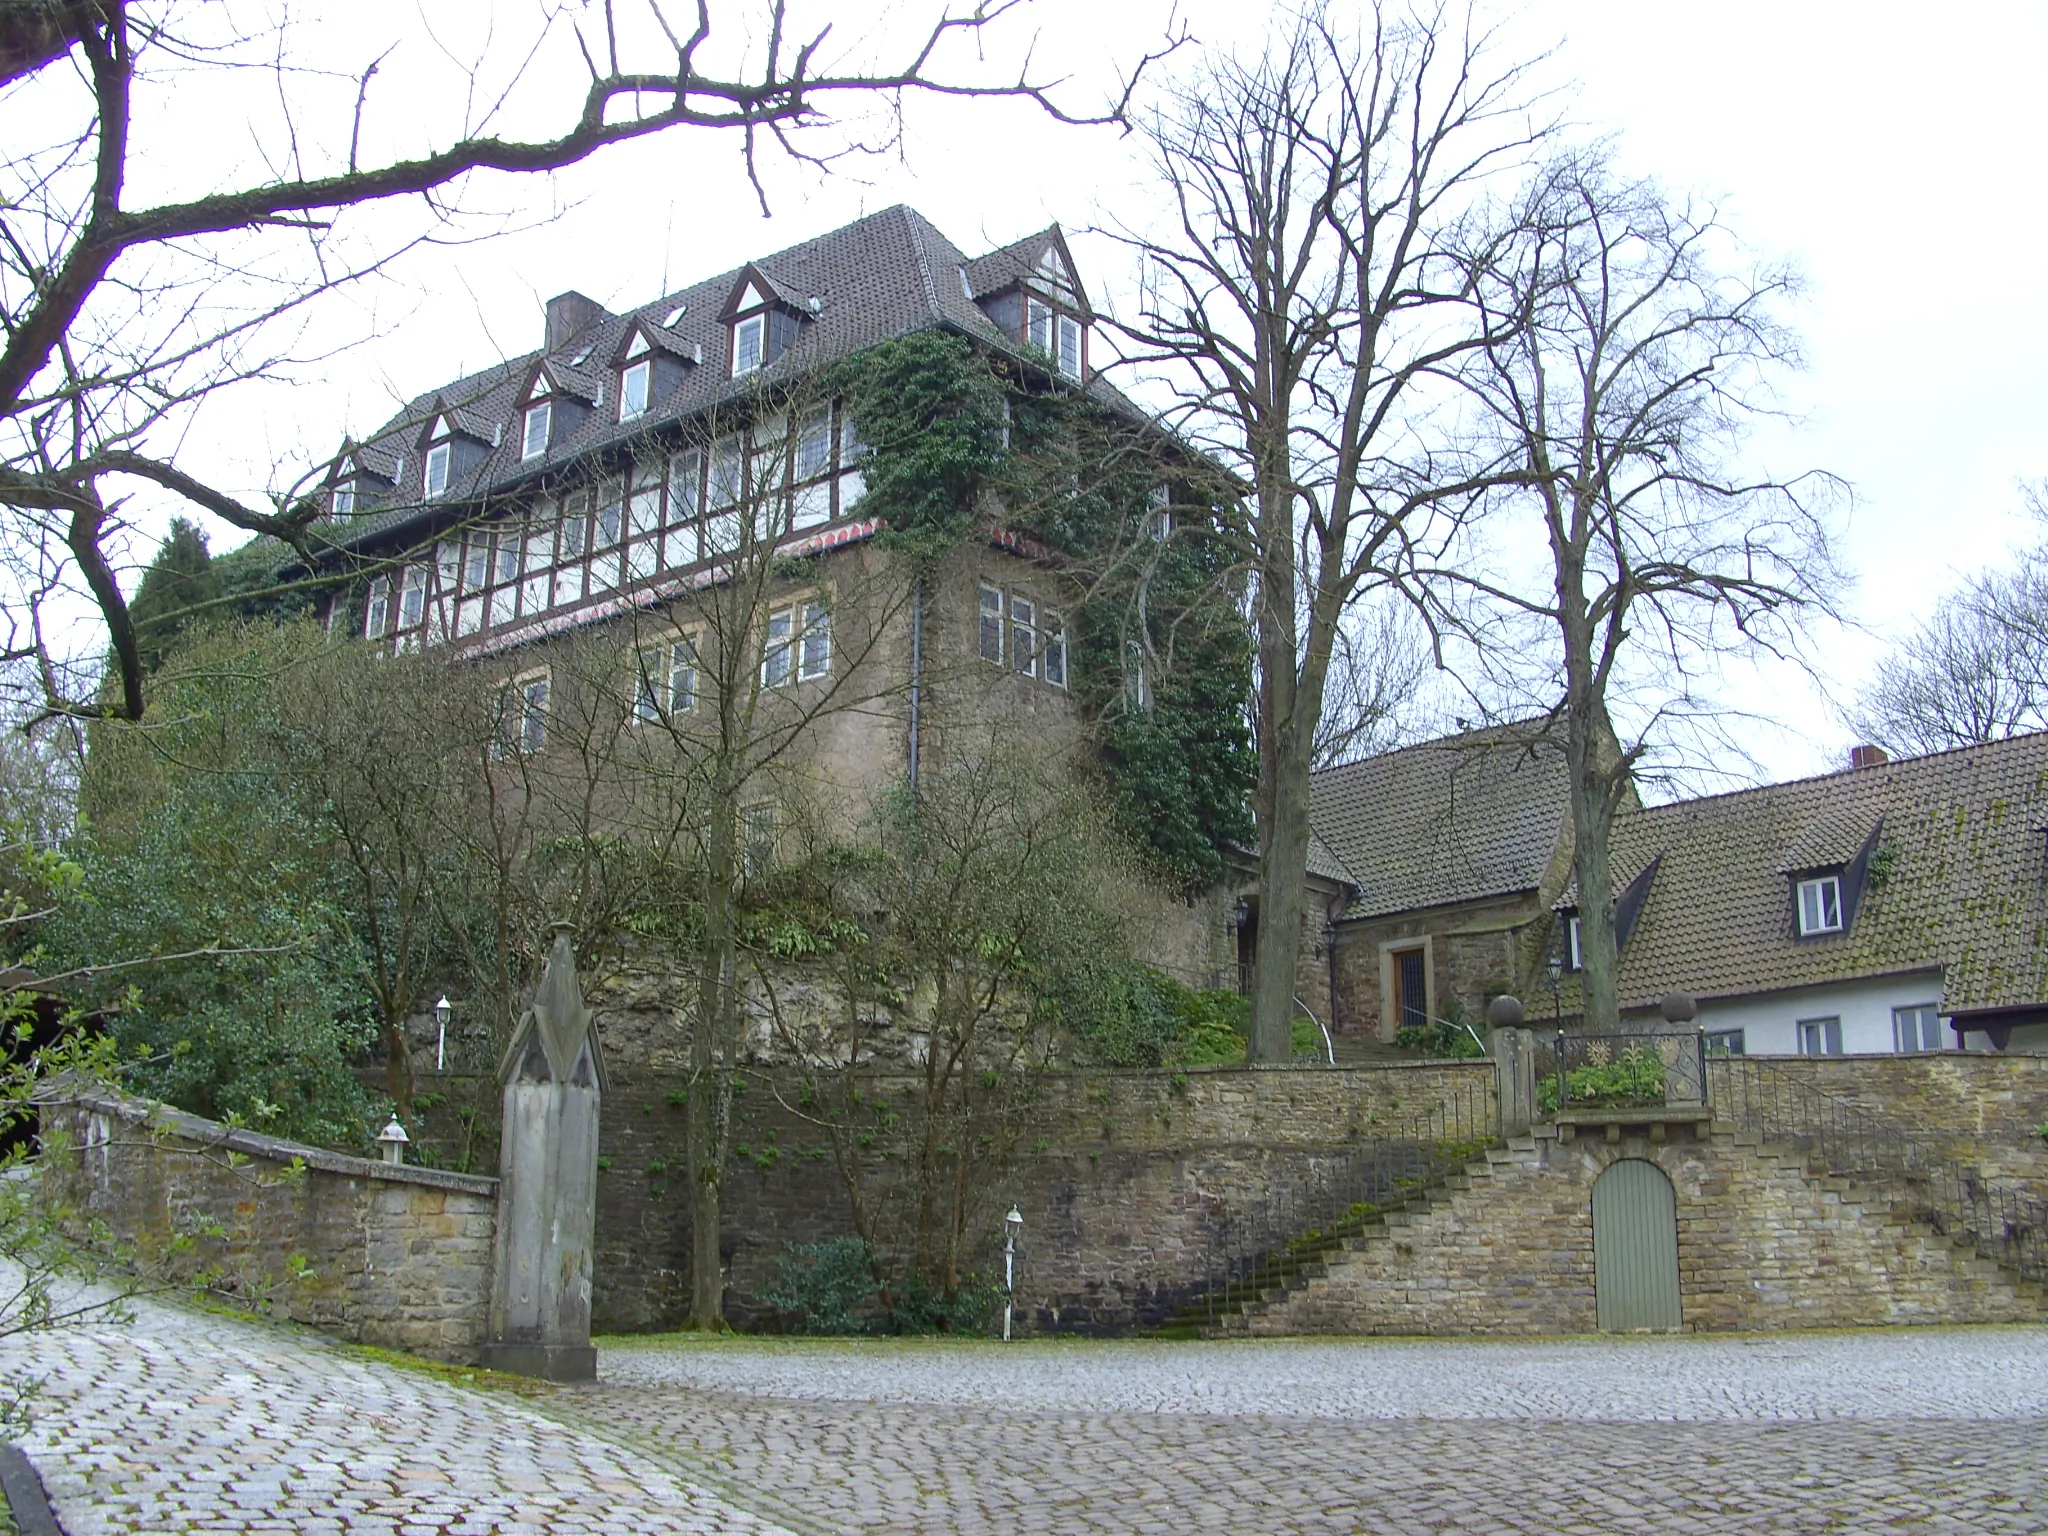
(441, 1011)
(1012, 1225)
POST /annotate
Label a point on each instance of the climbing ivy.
(952, 435)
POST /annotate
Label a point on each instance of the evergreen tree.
(180, 578)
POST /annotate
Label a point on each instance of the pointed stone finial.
(558, 1022)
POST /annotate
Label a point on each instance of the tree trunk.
(1592, 767)
(711, 1047)
(398, 1067)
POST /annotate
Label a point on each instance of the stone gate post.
(1514, 1066)
(553, 1080)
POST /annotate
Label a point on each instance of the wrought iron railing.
(1661, 1070)
(2001, 1220)
(1335, 1195)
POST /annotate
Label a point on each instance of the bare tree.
(124, 312)
(1622, 368)
(1302, 306)
(1976, 670)
(1374, 695)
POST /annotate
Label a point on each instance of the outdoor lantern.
(393, 1139)
(1555, 965)
(1012, 1225)
(1243, 914)
(441, 1011)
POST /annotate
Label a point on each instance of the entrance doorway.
(1635, 1248)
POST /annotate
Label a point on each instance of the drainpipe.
(916, 667)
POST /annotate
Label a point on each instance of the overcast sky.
(1896, 159)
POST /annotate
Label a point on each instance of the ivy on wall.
(952, 437)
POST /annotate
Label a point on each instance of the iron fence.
(1335, 1196)
(1641, 1071)
(2001, 1220)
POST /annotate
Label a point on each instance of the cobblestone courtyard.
(188, 1422)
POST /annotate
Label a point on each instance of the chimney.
(1868, 757)
(569, 314)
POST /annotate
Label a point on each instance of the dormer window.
(437, 469)
(344, 498)
(1058, 335)
(633, 387)
(1820, 905)
(539, 417)
(1038, 324)
(749, 343)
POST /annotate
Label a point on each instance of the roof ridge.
(1435, 741)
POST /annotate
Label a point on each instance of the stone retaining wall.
(372, 1252)
(1763, 1242)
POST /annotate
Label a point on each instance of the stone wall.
(1981, 1109)
(372, 1252)
(1121, 1177)
(1763, 1242)
(1473, 957)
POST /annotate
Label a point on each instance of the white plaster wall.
(1769, 1020)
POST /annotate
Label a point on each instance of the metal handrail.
(1329, 1045)
(2001, 1220)
(1336, 1194)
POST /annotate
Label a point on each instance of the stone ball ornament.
(1505, 1012)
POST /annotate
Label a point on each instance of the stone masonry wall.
(1121, 1177)
(1763, 1243)
(1472, 959)
(374, 1253)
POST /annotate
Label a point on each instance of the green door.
(1635, 1248)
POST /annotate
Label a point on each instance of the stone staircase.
(1769, 1238)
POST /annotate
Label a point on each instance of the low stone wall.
(372, 1252)
(1763, 1243)
(1982, 1109)
(1122, 1178)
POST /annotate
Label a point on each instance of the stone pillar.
(1514, 1065)
(553, 1078)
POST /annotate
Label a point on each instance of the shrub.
(830, 1285)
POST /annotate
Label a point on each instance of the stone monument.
(553, 1080)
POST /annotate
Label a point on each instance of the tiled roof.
(1014, 263)
(884, 276)
(1470, 816)
(1956, 881)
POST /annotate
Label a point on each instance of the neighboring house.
(1455, 850)
(1894, 906)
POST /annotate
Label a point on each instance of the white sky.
(1894, 154)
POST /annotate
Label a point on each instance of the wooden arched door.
(1635, 1248)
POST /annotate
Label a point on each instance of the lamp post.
(441, 1011)
(1555, 965)
(1012, 1225)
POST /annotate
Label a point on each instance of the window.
(1052, 655)
(1917, 1028)
(992, 625)
(667, 685)
(610, 496)
(1820, 1037)
(815, 658)
(633, 390)
(344, 498)
(575, 525)
(535, 442)
(1725, 1042)
(775, 660)
(508, 556)
(376, 609)
(437, 469)
(1411, 988)
(728, 459)
(522, 716)
(476, 562)
(748, 337)
(412, 596)
(1574, 948)
(757, 839)
(1023, 636)
(1820, 905)
(1038, 324)
(1158, 525)
(1070, 346)
(814, 445)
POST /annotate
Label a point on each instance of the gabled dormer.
(357, 481)
(1828, 871)
(450, 447)
(761, 322)
(1030, 291)
(1627, 910)
(650, 364)
(556, 401)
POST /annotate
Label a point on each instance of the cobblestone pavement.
(181, 1421)
(1937, 1430)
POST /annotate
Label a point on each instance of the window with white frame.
(437, 469)
(814, 445)
(1820, 905)
(476, 565)
(1574, 948)
(1725, 1042)
(814, 659)
(1052, 651)
(1820, 1037)
(412, 596)
(1013, 630)
(1038, 324)
(776, 658)
(992, 625)
(344, 498)
(799, 643)
(749, 341)
(1023, 636)
(376, 610)
(1917, 1027)
(633, 389)
(522, 716)
(534, 443)
(667, 681)
(1070, 346)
